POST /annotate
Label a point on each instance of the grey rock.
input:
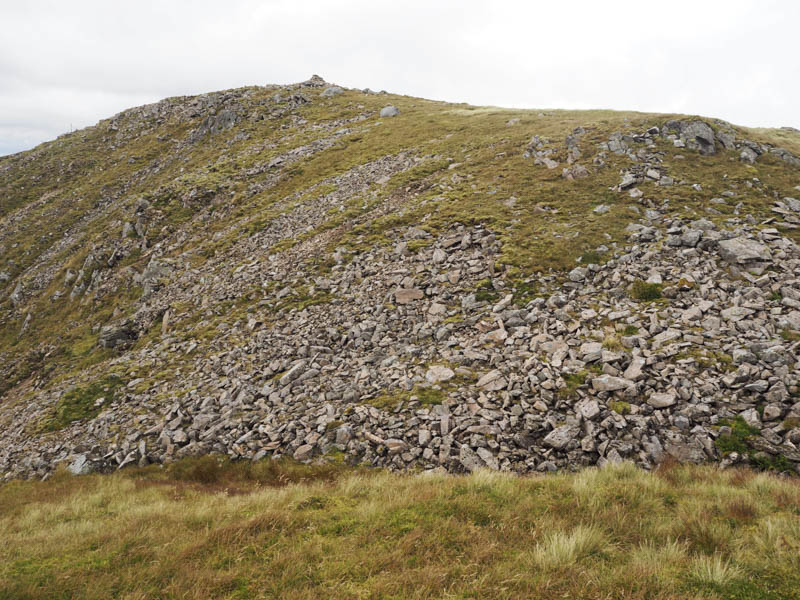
(661, 400)
(578, 274)
(601, 209)
(117, 336)
(331, 91)
(80, 465)
(742, 250)
(303, 453)
(294, 373)
(561, 436)
(608, 383)
(438, 373)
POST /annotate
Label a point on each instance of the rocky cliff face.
(326, 273)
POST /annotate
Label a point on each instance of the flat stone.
(665, 337)
(661, 400)
(293, 373)
(742, 250)
(591, 351)
(634, 370)
(439, 373)
(577, 274)
(80, 465)
(395, 446)
(493, 381)
(736, 313)
(489, 459)
(468, 459)
(406, 295)
(609, 383)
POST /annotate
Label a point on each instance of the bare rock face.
(696, 135)
(117, 336)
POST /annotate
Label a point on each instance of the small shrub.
(790, 335)
(645, 292)
(425, 396)
(736, 441)
(767, 462)
(630, 330)
(415, 246)
(202, 469)
(573, 381)
(591, 257)
(791, 423)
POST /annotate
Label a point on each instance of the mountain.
(311, 271)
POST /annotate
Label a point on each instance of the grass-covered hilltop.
(243, 300)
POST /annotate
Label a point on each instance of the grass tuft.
(562, 550)
(714, 570)
(81, 403)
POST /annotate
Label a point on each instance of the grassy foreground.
(280, 530)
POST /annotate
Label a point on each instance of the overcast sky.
(70, 64)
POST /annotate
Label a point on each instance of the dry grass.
(280, 530)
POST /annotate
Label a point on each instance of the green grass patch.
(645, 292)
(485, 292)
(573, 381)
(620, 407)
(426, 396)
(80, 403)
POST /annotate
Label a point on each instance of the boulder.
(661, 400)
(117, 336)
(696, 135)
(80, 465)
(561, 436)
(741, 250)
(439, 373)
(331, 91)
(492, 381)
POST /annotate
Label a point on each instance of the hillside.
(326, 274)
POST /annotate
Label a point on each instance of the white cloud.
(74, 63)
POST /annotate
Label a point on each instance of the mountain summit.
(325, 273)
